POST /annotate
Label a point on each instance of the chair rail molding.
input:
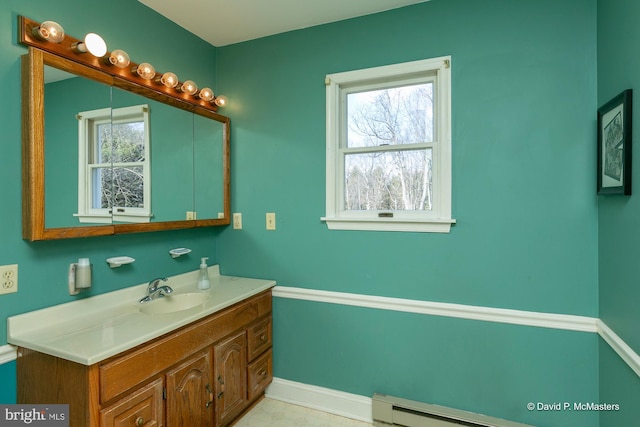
(7, 353)
(501, 315)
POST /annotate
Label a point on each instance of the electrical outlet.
(8, 279)
(237, 221)
(271, 221)
(191, 215)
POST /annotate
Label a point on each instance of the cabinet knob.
(263, 337)
(139, 421)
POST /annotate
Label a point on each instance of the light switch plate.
(237, 221)
(271, 221)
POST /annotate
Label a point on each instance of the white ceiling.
(223, 22)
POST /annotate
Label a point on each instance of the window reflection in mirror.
(113, 165)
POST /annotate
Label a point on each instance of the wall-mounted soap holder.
(175, 253)
(119, 260)
(79, 278)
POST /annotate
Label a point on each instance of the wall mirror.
(150, 160)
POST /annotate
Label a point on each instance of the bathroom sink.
(173, 303)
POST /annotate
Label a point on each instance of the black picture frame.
(614, 145)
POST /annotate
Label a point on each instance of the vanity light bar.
(116, 63)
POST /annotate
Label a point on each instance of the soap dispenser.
(203, 278)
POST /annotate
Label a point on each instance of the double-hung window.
(113, 165)
(389, 148)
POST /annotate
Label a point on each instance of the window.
(113, 165)
(389, 148)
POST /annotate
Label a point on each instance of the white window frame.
(87, 124)
(338, 85)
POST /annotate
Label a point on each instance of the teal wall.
(523, 96)
(43, 265)
(522, 158)
(8, 389)
(618, 223)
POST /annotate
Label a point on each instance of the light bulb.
(93, 43)
(119, 58)
(168, 79)
(189, 87)
(205, 94)
(144, 70)
(221, 101)
(49, 31)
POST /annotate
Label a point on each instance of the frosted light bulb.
(93, 43)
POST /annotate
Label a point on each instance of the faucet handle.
(153, 285)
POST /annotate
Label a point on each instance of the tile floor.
(274, 413)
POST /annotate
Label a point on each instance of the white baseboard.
(323, 399)
(7, 353)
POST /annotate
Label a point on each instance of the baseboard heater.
(394, 411)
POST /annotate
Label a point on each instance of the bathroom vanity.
(118, 365)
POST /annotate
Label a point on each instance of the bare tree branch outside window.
(389, 171)
(122, 145)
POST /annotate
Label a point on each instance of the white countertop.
(92, 329)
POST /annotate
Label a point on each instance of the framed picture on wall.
(614, 145)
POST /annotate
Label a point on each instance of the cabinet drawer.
(259, 336)
(260, 373)
(140, 408)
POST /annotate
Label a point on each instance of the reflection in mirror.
(65, 96)
(208, 136)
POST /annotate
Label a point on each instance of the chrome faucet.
(154, 291)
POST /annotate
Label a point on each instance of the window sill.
(93, 218)
(430, 226)
(137, 218)
(109, 219)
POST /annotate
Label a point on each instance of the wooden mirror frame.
(33, 144)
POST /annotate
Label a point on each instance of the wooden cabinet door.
(230, 362)
(190, 392)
